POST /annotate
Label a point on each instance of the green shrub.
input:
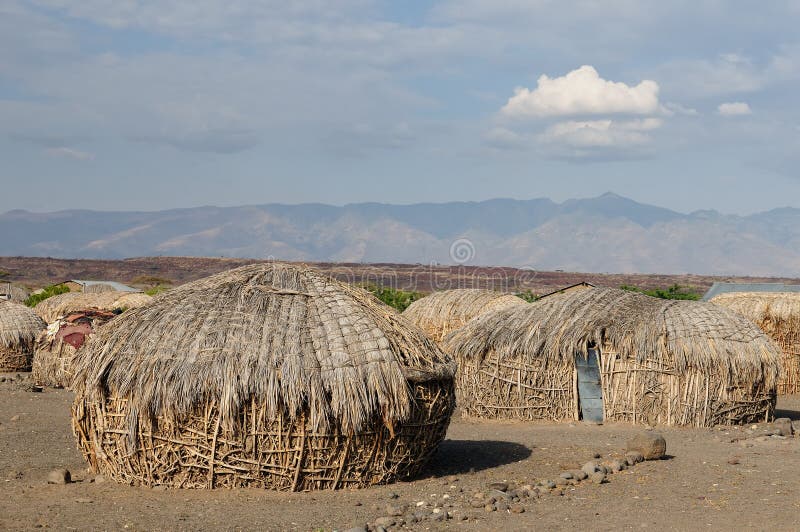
(527, 295)
(675, 291)
(48, 291)
(398, 299)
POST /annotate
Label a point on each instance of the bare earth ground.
(36, 272)
(700, 487)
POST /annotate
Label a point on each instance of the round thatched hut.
(778, 315)
(269, 375)
(19, 327)
(605, 354)
(59, 306)
(56, 346)
(443, 312)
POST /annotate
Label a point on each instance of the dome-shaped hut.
(19, 327)
(605, 354)
(269, 375)
(441, 313)
(56, 346)
(58, 306)
(778, 315)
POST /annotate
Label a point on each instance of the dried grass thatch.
(269, 375)
(59, 306)
(13, 292)
(19, 327)
(665, 362)
(56, 346)
(778, 314)
(443, 312)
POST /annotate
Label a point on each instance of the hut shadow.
(456, 457)
(791, 414)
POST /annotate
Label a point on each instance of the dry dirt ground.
(714, 479)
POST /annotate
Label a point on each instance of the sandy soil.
(714, 479)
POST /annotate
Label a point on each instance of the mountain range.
(609, 233)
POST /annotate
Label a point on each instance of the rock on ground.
(651, 445)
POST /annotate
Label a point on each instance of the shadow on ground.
(791, 414)
(456, 457)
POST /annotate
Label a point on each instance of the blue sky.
(157, 104)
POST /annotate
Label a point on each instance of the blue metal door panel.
(590, 393)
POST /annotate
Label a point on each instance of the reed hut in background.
(13, 292)
(778, 314)
(19, 327)
(56, 346)
(443, 312)
(269, 375)
(61, 305)
(605, 354)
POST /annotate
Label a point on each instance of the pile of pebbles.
(456, 504)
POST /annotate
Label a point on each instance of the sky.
(148, 105)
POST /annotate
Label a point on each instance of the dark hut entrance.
(590, 393)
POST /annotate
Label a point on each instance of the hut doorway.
(590, 392)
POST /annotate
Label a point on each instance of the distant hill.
(608, 233)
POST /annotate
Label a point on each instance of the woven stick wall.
(19, 327)
(666, 362)
(778, 314)
(270, 376)
(59, 306)
(443, 312)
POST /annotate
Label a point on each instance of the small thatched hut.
(606, 354)
(13, 292)
(59, 306)
(19, 327)
(269, 375)
(443, 312)
(778, 314)
(56, 345)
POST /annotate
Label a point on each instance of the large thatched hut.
(56, 346)
(778, 314)
(441, 313)
(269, 375)
(19, 327)
(605, 354)
(59, 306)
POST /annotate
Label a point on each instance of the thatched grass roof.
(443, 312)
(759, 305)
(683, 334)
(278, 332)
(18, 324)
(55, 307)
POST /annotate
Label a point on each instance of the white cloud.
(505, 139)
(673, 108)
(601, 133)
(734, 109)
(582, 92)
(69, 153)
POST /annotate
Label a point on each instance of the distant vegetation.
(48, 291)
(399, 299)
(152, 284)
(4, 274)
(675, 291)
(527, 295)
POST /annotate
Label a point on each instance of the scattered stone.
(502, 506)
(477, 503)
(15, 418)
(35, 388)
(499, 486)
(580, 474)
(651, 445)
(589, 467)
(598, 478)
(357, 529)
(517, 509)
(395, 510)
(615, 466)
(84, 501)
(59, 476)
(597, 455)
(733, 460)
(566, 475)
(490, 508)
(385, 521)
(783, 425)
(442, 516)
(357, 503)
(560, 481)
(549, 484)
(393, 495)
(633, 457)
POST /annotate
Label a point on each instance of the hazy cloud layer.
(359, 100)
